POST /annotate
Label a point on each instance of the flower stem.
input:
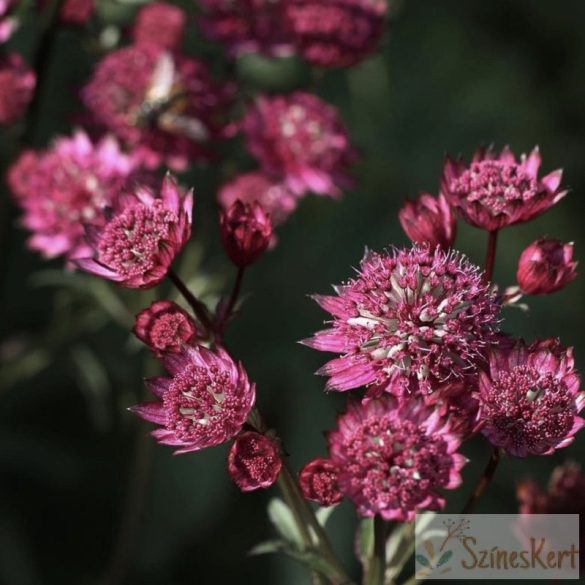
(377, 566)
(226, 314)
(490, 258)
(484, 481)
(198, 307)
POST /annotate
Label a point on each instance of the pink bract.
(17, 86)
(8, 24)
(159, 24)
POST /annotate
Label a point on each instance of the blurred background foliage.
(85, 496)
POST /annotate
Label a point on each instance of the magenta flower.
(8, 24)
(319, 482)
(254, 461)
(66, 185)
(496, 191)
(302, 140)
(165, 106)
(165, 327)
(159, 24)
(336, 33)
(411, 320)
(136, 241)
(429, 220)
(530, 399)
(204, 403)
(546, 266)
(393, 456)
(77, 12)
(17, 86)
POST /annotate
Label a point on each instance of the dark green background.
(450, 75)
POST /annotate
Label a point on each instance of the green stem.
(377, 566)
(224, 317)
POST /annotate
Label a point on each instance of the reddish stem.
(198, 307)
(484, 481)
(225, 315)
(490, 258)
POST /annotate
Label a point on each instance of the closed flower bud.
(545, 267)
(319, 482)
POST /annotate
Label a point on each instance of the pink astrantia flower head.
(429, 220)
(393, 456)
(546, 266)
(135, 242)
(302, 139)
(530, 399)
(256, 187)
(246, 231)
(65, 186)
(247, 26)
(336, 33)
(254, 461)
(164, 105)
(72, 12)
(17, 86)
(496, 190)
(8, 24)
(165, 327)
(319, 482)
(204, 403)
(160, 24)
(411, 320)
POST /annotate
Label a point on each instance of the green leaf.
(444, 558)
(365, 540)
(421, 559)
(267, 547)
(284, 521)
(323, 514)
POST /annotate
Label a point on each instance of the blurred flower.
(246, 230)
(545, 267)
(61, 188)
(8, 24)
(17, 86)
(529, 400)
(247, 26)
(135, 242)
(319, 481)
(496, 191)
(412, 320)
(165, 106)
(160, 24)
(302, 140)
(72, 12)
(254, 461)
(429, 220)
(204, 403)
(256, 187)
(165, 327)
(393, 457)
(336, 33)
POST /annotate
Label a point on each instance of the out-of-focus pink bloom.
(160, 24)
(336, 33)
(429, 220)
(496, 191)
(77, 11)
(17, 86)
(8, 24)
(319, 482)
(412, 320)
(254, 461)
(530, 399)
(545, 267)
(301, 139)
(164, 105)
(393, 456)
(165, 327)
(256, 187)
(204, 403)
(246, 231)
(135, 241)
(61, 188)
(247, 26)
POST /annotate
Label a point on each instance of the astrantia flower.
(17, 86)
(204, 403)
(72, 12)
(411, 319)
(165, 327)
(247, 26)
(257, 187)
(529, 401)
(167, 106)
(429, 220)
(393, 456)
(65, 186)
(319, 482)
(302, 139)
(135, 242)
(8, 23)
(160, 24)
(496, 190)
(546, 266)
(336, 33)
(254, 461)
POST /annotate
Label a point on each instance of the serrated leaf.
(284, 521)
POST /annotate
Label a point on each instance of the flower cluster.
(17, 85)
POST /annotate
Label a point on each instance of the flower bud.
(245, 230)
(319, 482)
(545, 267)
